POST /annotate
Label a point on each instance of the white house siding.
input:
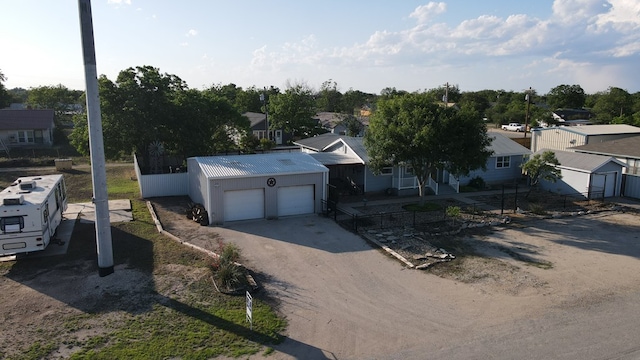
(219, 186)
(555, 139)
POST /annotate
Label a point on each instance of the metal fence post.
(515, 201)
(501, 204)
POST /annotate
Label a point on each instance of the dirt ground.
(520, 270)
(553, 288)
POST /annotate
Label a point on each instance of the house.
(567, 115)
(626, 150)
(259, 126)
(242, 187)
(26, 128)
(333, 122)
(347, 160)
(587, 175)
(503, 166)
(564, 137)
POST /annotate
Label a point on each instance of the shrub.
(227, 273)
(477, 183)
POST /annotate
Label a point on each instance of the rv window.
(11, 224)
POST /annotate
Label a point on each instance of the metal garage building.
(242, 187)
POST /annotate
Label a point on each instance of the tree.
(615, 102)
(144, 106)
(353, 125)
(330, 98)
(413, 131)
(566, 96)
(5, 97)
(293, 111)
(542, 167)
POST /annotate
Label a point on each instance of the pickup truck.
(517, 127)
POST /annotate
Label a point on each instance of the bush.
(227, 273)
(477, 183)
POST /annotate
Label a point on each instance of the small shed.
(243, 187)
(588, 175)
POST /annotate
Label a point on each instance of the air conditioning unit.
(13, 200)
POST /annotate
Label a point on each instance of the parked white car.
(517, 127)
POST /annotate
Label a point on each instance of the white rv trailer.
(30, 213)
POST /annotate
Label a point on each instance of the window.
(408, 170)
(386, 171)
(25, 136)
(503, 162)
(11, 224)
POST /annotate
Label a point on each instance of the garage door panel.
(243, 204)
(296, 200)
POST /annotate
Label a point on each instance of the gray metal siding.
(219, 186)
(556, 139)
(197, 182)
(631, 186)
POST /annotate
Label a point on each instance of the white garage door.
(295, 200)
(243, 204)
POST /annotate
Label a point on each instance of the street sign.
(250, 310)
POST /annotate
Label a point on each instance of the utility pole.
(96, 143)
(527, 97)
(263, 98)
(445, 98)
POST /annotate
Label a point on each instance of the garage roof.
(582, 161)
(504, 146)
(237, 166)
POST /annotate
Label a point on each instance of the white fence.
(154, 185)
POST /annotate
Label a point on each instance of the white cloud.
(119, 2)
(192, 32)
(623, 16)
(424, 13)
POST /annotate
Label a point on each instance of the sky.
(361, 45)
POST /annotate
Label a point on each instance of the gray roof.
(26, 119)
(255, 118)
(627, 147)
(504, 146)
(611, 129)
(236, 166)
(581, 161)
(334, 158)
(322, 142)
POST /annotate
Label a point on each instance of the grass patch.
(153, 320)
(428, 206)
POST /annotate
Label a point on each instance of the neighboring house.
(259, 128)
(332, 122)
(502, 167)
(626, 150)
(587, 175)
(562, 115)
(564, 137)
(26, 128)
(242, 187)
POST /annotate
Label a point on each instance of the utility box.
(63, 164)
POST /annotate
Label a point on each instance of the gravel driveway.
(346, 300)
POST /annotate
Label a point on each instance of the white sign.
(250, 309)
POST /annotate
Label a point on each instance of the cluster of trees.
(144, 106)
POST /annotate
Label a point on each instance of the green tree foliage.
(412, 130)
(62, 100)
(542, 167)
(614, 102)
(293, 111)
(353, 125)
(354, 100)
(144, 106)
(329, 98)
(567, 97)
(5, 97)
